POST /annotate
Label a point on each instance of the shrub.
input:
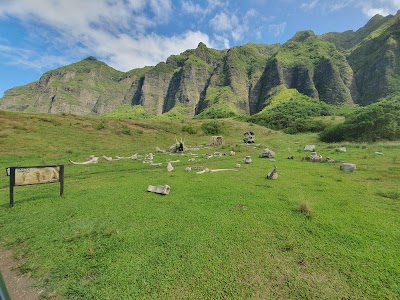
(305, 209)
(189, 129)
(293, 117)
(215, 113)
(379, 121)
(212, 128)
(101, 125)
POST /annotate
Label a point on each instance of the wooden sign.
(20, 176)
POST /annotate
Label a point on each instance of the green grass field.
(315, 233)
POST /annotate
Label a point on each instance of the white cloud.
(277, 29)
(236, 27)
(221, 41)
(367, 7)
(370, 12)
(115, 31)
(310, 5)
(192, 8)
(326, 6)
(189, 7)
(30, 59)
(223, 22)
(125, 53)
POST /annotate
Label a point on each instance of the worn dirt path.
(19, 286)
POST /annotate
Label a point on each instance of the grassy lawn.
(316, 232)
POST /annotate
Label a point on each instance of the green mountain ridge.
(358, 67)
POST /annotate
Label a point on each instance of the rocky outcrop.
(376, 64)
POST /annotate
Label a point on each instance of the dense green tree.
(379, 121)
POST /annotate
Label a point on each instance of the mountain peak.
(301, 36)
(91, 58)
(201, 45)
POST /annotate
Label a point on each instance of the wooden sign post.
(20, 176)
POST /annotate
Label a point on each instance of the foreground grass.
(313, 233)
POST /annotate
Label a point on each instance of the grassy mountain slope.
(88, 86)
(336, 68)
(349, 39)
(376, 63)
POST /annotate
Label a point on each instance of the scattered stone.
(247, 160)
(379, 153)
(273, 174)
(148, 156)
(218, 154)
(341, 149)
(158, 150)
(188, 169)
(314, 157)
(170, 168)
(267, 153)
(309, 148)
(347, 167)
(159, 189)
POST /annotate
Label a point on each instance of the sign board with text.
(21, 176)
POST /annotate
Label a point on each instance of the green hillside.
(314, 233)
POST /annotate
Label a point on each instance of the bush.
(212, 128)
(215, 113)
(305, 209)
(379, 121)
(292, 117)
(189, 129)
(304, 125)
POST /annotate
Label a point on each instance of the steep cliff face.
(155, 87)
(190, 82)
(313, 67)
(89, 86)
(376, 63)
(336, 68)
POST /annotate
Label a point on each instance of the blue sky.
(40, 35)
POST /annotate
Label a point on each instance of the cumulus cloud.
(29, 59)
(367, 7)
(116, 31)
(237, 27)
(310, 5)
(223, 22)
(189, 7)
(381, 7)
(277, 29)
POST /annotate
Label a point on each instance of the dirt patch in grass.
(19, 286)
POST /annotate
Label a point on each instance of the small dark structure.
(178, 147)
(249, 137)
